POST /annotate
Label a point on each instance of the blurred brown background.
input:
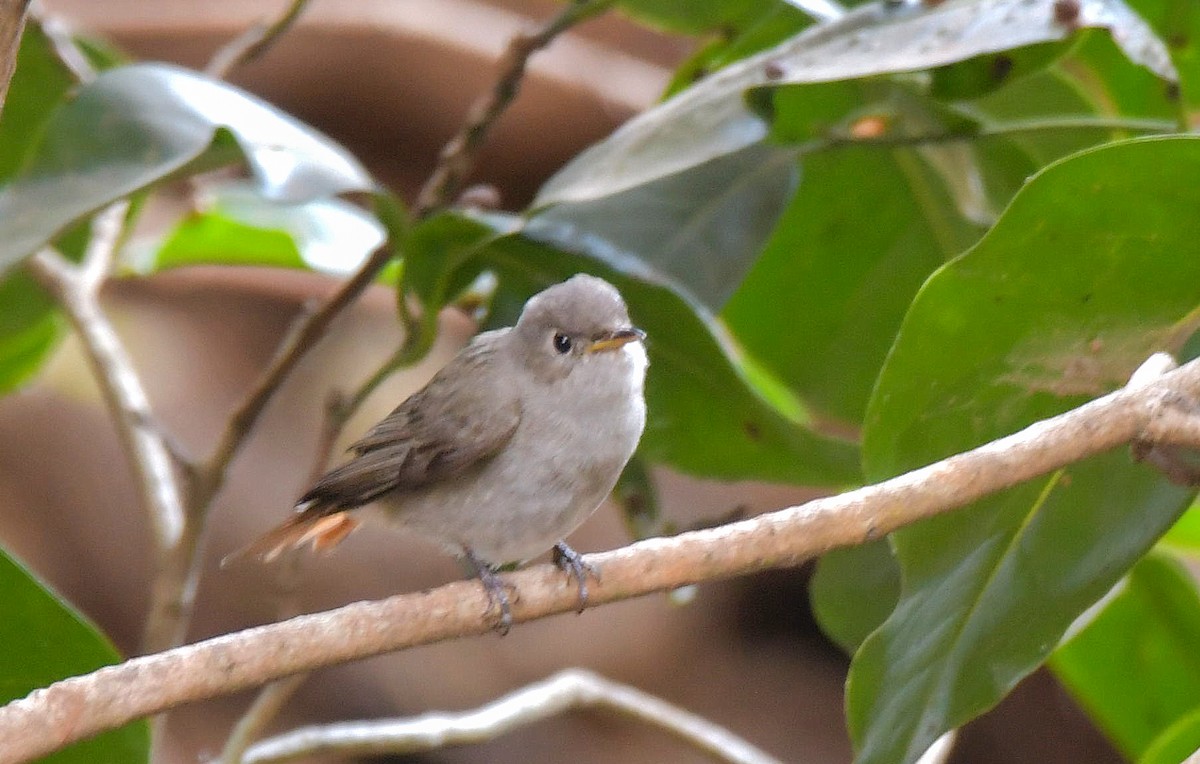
(392, 80)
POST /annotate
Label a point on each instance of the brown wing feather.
(463, 416)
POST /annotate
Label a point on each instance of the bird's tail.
(324, 529)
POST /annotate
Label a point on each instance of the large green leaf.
(1134, 667)
(711, 118)
(1088, 271)
(136, 125)
(853, 591)
(702, 227)
(42, 640)
(241, 227)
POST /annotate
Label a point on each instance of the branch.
(12, 25)
(149, 456)
(253, 42)
(567, 690)
(458, 155)
(80, 707)
(175, 587)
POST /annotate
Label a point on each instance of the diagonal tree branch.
(76, 708)
(458, 155)
(150, 458)
(565, 691)
(255, 41)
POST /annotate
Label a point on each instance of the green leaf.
(711, 119)
(136, 125)
(1087, 272)
(30, 327)
(240, 227)
(42, 640)
(690, 16)
(38, 84)
(1134, 667)
(1177, 743)
(1177, 23)
(703, 227)
(1184, 536)
(853, 591)
(29, 324)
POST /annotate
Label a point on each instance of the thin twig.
(458, 155)
(565, 691)
(145, 448)
(80, 707)
(174, 589)
(266, 706)
(253, 42)
(12, 26)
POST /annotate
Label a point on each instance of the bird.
(505, 451)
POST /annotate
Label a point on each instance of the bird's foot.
(496, 589)
(572, 563)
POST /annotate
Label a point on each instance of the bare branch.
(149, 457)
(255, 41)
(79, 707)
(175, 587)
(265, 707)
(458, 155)
(12, 26)
(565, 691)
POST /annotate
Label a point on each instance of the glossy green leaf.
(852, 596)
(853, 591)
(43, 640)
(711, 119)
(240, 227)
(136, 125)
(865, 229)
(1088, 271)
(702, 227)
(1134, 667)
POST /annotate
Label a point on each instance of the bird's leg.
(572, 562)
(494, 587)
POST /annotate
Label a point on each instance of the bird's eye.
(562, 343)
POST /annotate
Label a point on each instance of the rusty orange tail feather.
(324, 531)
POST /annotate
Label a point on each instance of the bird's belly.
(515, 507)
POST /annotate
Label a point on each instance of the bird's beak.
(617, 339)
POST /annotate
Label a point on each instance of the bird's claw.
(572, 563)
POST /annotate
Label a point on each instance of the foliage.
(858, 247)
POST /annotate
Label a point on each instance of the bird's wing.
(462, 417)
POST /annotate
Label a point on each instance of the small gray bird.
(507, 450)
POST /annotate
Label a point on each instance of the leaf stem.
(253, 42)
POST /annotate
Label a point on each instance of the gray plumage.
(509, 447)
